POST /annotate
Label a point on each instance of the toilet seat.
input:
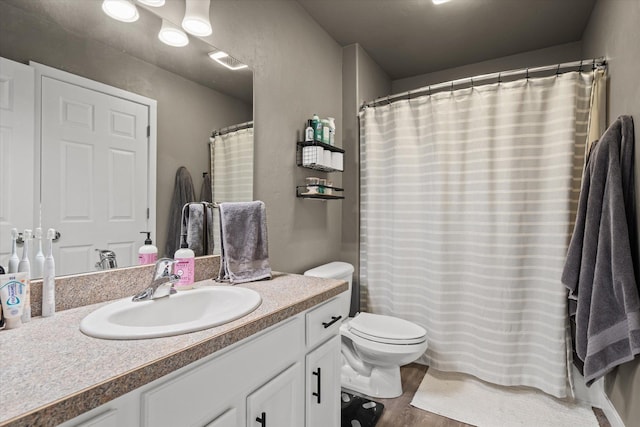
(386, 329)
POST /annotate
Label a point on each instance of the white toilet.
(373, 346)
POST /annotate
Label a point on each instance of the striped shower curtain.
(232, 172)
(467, 201)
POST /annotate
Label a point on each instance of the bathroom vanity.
(277, 366)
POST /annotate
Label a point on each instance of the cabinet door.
(323, 385)
(228, 419)
(278, 403)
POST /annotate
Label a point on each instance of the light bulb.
(172, 35)
(122, 10)
(196, 18)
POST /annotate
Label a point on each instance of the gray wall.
(535, 58)
(362, 79)
(297, 72)
(187, 112)
(614, 31)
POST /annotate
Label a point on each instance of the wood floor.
(398, 412)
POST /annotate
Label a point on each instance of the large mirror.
(195, 98)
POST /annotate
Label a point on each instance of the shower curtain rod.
(499, 77)
(232, 128)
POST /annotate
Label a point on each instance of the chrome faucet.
(107, 259)
(162, 282)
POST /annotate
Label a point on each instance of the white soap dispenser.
(49, 278)
(147, 254)
(13, 259)
(185, 265)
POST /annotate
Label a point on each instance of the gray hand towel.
(182, 193)
(599, 271)
(197, 224)
(243, 242)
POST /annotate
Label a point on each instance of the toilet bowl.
(374, 346)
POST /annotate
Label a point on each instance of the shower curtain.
(467, 203)
(232, 172)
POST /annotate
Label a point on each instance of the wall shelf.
(301, 192)
(311, 159)
(321, 157)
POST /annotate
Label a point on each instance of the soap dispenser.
(148, 253)
(185, 265)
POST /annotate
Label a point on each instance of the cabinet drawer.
(324, 321)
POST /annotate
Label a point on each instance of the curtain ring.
(499, 77)
(580, 67)
(451, 85)
(527, 75)
(558, 70)
(593, 65)
(471, 82)
(388, 100)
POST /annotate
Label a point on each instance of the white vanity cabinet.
(322, 361)
(260, 381)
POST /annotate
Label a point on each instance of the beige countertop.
(51, 372)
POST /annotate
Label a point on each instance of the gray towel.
(599, 271)
(206, 190)
(182, 193)
(244, 248)
(197, 224)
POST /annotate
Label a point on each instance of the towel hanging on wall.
(182, 193)
(244, 249)
(599, 269)
(197, 225)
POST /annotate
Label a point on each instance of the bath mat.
(359, 411)
(466, 399)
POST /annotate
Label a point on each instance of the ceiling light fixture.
(122, 10)
(153, 3)
(439, 1)
(196, 18)
(223, 58)
(172, 35)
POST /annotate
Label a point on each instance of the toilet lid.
(386, 329)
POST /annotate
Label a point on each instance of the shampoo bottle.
(317, 128)
(38, 264)
(147, 254)
(325, 131)
(332, 130)
(25, 266)
(13, 259)
(185, 265)
(49, 278)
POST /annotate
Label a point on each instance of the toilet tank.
(340, 271)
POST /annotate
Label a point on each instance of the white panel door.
(94, 174)
(16, 151)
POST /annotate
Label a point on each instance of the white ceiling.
(412, 37)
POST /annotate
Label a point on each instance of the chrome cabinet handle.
(317, 374)
(334, 319)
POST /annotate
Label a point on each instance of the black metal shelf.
(304, 195)
(320, 144)
(314, 163)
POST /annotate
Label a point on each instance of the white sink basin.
(187, 311)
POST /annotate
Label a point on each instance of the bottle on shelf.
(316, 123)
(309, 132)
